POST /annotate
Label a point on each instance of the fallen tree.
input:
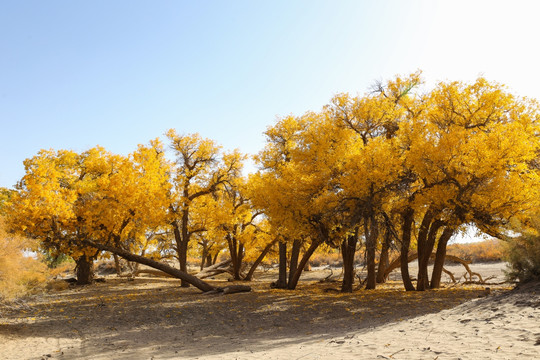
(191, 279)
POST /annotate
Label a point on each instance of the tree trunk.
(251, 271)
(117, 266)
(421, 246)
(371, 233)
(423, 258)
(405, 243)
(439, 258)
(294, 281)
(282, 278)
(193, 280)
(181, 250)
(236, 249)
(384, 259)
(204, 257)
(295, 253)
(184, 243)
(348, 249)
(84, 270)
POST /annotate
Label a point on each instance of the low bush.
(20, 273)
(523, 256)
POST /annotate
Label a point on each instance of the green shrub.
(523, 256)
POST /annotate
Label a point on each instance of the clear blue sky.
(75, 74)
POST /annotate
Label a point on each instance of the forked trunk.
(423, 258)
(295, 253)
(292, 284)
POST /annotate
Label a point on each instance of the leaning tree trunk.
(251, 271)
(294, 281)
(348, 249)
(190, 279)
(281, 283)
(295, 253)
(405, 244)
(84, 270)
(439, 258)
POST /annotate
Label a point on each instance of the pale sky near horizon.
(75, 74)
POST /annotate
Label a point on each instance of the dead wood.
(216, 269)
(397, 262)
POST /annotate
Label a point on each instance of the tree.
(198, 171)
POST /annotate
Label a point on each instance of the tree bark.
(371, 233)
(84, 270)
(236, 249)
(190, 279)
(182, 256)
(261, 257)
(423, 258)
(314, 245)
(405, 244)
(281, 283)
(440, 257)
(421, 245)
(348, 249)
(117, 266)
(295, 253)
(181, 250)
(384, 260)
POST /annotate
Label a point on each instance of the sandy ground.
(153, 318)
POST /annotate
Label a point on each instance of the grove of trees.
(396, 168)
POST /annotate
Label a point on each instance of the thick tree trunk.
(294, 281)
(281, 283)
(84, 270)
(384, 260)
(295, 253)
(181, 250)
(236, 249)
(405, 244)
(371, 233)
(198, 283)
(440, 257)
(251, 271)
(348, 249)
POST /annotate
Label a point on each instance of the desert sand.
(154, 318)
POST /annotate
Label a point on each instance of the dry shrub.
(484, 251)
(19, 274)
